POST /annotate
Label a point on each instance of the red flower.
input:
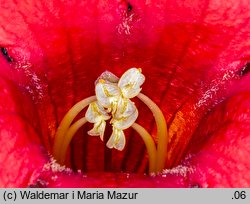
(194, 55)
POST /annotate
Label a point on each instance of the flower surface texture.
(194, 55)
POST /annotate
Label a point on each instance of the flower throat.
(113, 102)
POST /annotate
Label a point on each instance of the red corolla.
(195, 58)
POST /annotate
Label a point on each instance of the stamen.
(162, 134)
(65, 124)
(150, 145)
(146, 137)
(112, 100)
(68, 137)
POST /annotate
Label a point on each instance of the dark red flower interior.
(194, 55)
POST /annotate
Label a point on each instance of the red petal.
(190, 53)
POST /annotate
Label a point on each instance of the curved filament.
(66, 122)
(68, 137)
(150, 145)
(162, 134)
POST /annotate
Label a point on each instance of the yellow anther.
(102, 81)
(96, 114)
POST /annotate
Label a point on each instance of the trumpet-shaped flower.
(195, 52)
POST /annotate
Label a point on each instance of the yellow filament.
(150, 145)
(66, 122)
(146, 137)
(162, 134)
(68, 137)
(157, 156)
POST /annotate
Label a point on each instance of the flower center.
(113, 102)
